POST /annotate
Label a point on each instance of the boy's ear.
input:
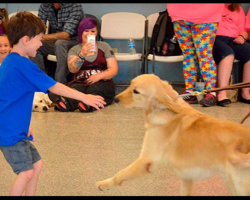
(25, 40)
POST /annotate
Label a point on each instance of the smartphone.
(91, 39)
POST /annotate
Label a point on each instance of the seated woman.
(92, 69)
(230, 44)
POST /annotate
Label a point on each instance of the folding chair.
(123, 26)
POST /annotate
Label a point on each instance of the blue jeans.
(60, 48)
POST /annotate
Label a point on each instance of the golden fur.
(191, 144)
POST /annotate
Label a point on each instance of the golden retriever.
(191, 144)
(41, 102)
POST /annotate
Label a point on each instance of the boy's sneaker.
(208, 101)
(191, 99)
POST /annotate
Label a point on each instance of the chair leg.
(143, 66)
(153, 64)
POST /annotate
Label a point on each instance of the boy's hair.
(24, 24)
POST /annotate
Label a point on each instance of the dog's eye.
(136, 92)
(41, 101)
(36, 106)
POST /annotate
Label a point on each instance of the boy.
(20, 78)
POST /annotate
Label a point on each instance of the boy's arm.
(95, 101)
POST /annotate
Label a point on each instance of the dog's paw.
(104, 185)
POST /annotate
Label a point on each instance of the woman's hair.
(85, 24)
(4, 16)
(24, 24)
(234, 7)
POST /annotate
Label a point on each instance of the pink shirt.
(232, 23)
(248, 20)
(196, 12)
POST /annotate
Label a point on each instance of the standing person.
(4, 47)
(195, 26)
(64, 19)
(231, 44)
(93, 70)
(20, 78)
(4, 19)
(248, 24)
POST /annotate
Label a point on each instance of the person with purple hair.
(93, 71)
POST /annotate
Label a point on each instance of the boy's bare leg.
(30, 189)
(19, 185)
(26, 181)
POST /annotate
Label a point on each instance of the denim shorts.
(224, 46)
(21, 156)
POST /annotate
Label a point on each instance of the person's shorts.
(21, 156)
(224, 46)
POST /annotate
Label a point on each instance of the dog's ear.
(167, 96)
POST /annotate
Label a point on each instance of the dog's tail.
(239, 154)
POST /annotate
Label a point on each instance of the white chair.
(151, 20)
(123, 26)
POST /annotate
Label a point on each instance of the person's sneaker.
(208, 101)
(84, 108)
(62, 105)
(191, 99)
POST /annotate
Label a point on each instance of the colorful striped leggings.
(196, 42)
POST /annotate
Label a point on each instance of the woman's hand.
(239, 40)
(93, 79)
(86, 49)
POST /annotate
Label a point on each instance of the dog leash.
(230, 87)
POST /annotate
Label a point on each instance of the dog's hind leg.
(187, 187)
(237, 181)
(241, 179)
(138, 169)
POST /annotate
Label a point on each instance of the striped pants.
(196, 42)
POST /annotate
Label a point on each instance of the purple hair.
(85, 24)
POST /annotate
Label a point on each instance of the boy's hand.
(31, 134)
(95, 101)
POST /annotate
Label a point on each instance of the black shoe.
(224, 102)
(84, 108)
(247, 101)
(62, 104)
(53, 97)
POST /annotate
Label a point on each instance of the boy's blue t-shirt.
(20, 78)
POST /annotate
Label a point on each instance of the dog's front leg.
(187, 187)
(139, 168)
